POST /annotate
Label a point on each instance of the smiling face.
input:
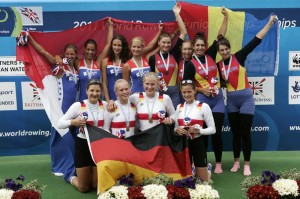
(122, 90)
(136, 47)
(90, 51)
(117, 46)
(188, 93)
(199, 47)
(70, 54)
(150, 84)
(187, 50)
(93, 92)
(224, 51)
(165, 44)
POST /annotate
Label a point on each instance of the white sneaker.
(209, 168)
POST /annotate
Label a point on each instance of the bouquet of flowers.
(273, 186)
(17, 188)
(160, 187)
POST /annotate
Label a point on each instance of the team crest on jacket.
(187, 121)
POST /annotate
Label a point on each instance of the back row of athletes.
(187, 60)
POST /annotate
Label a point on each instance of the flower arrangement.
(270, 185)
(15, 189)
(160, 187)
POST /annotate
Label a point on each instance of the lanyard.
(201, 65)
(168, 61)
(185, 109)
(226, 73)
(93, 110)
(150, 112)
(74, 78)
(116, 68)
(89, 69)
(141, 69)
(127, 119)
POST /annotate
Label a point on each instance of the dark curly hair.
(125, 53)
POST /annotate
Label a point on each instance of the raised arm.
(41, 50)
(153, 42)
(223, 28)
(104, 79)
(109, 37)
(182, 29)
(262, 33)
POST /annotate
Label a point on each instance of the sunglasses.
(187, 81)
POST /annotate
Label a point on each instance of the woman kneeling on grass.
(90, 111)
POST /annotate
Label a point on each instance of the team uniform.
(113, 73)
(85, 74)
(240, 102)
(137, 73)
(196, 114)
(121, 122)
(62, 148)
(151, 111)
(167, 64)
(202, 70)
(95, 114)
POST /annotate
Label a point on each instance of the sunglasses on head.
(187, 81)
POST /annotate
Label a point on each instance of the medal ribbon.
(201, 65)
(164, 62)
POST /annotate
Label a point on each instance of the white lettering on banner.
(10, 67)
(8, 98)
(22, 133)
(283, 23)
(294, 128)
(253, 129)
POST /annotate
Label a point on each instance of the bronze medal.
(167, 73)
(150, 119)
(127, 128)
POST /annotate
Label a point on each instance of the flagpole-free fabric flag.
(242, 27)
(38, 69)
(146, 154)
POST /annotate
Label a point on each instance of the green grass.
(228, 184)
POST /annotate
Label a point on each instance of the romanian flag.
(39, 70)
(146, 154)
(242, 27)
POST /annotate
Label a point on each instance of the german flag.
(146, 154)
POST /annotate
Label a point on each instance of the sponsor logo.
(294, 90)
(10, 67)
(294, 60)
(8, 99)
(31, 98)
(262, 90)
